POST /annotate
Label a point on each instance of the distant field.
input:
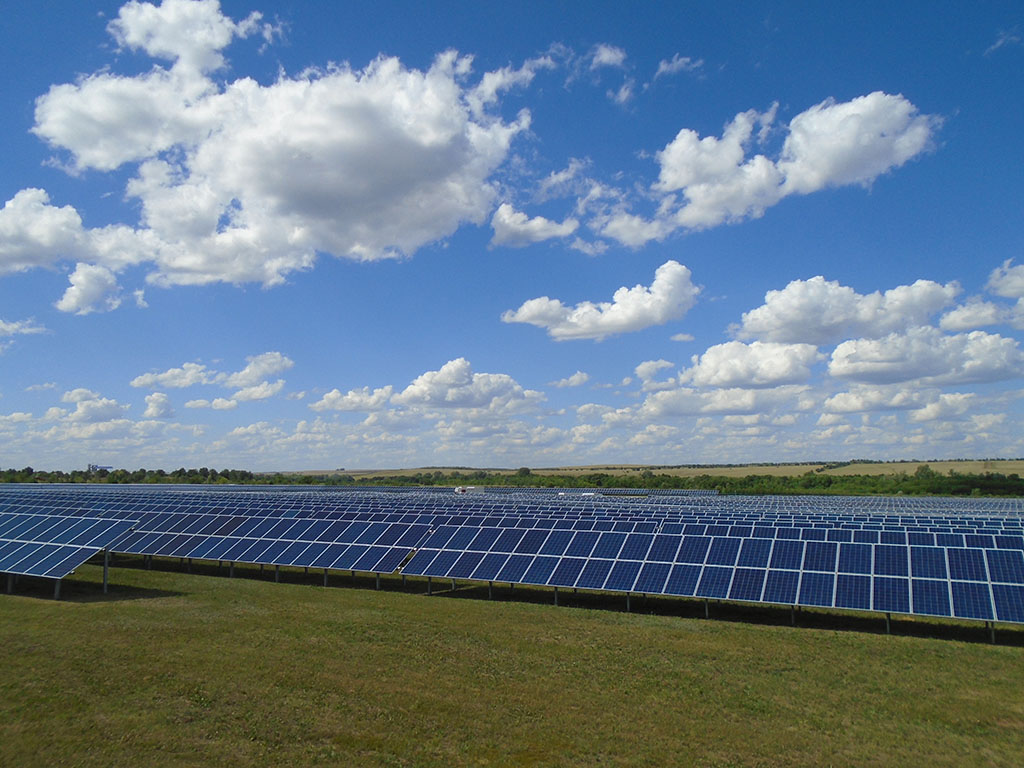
(779, 470)
(173, 669)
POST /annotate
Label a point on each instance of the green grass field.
(177, 669)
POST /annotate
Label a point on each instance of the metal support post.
(628, 607)
(707, 613)
(403, 581)
(378, 580)
(10, 583)
(429, 592)
(453, 585)
(792, 615)
(277, 573)
(556, 595)
(106, 568)
(490, 590)
(888, 625)
(190, 565)
(56, 590)
(325, 577)
(231, 569)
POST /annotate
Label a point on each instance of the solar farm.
(403, 659)
(960, 559)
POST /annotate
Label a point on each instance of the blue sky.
(306, 236)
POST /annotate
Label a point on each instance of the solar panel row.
(929, 557)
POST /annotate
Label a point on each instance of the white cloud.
(624, 94)
(689, 402)
(669, 297)
(188, 375)
(754, 365)
(93, 289)
(239, 181)
(20, 328)
(190, 33)
(647, 370)
(90, 407)
(829, 145)
(976, 313)
(455, 385)
(578, 379)
(1007, 280)
(677, 64)
(948, 407)
(604, 55)
(820, 312)
(836, 144)
(258, 369)
(260, 391)
(515, 229)
(926, 354)
(862, 399)
(158, 406)
(34, 233)
(363, 399)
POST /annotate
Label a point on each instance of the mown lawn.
(177, 669)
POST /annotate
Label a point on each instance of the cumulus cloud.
(363, 399)
(158, 406)
(188, 375)
(258, 369)
(754, 365)
(261, 391)
(670, 296)
(1007, 280)
(240, 182)
(819, 311)
(578, 379)
(90, 407)
(455, 385)
(976, 313)
(605, 55)
(687, 401)
(928, 355)
(93, 289)
(712, 180)
(515, 229)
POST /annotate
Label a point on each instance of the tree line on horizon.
(923, 482)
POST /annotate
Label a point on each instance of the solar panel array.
(52, 547)
(958, 558)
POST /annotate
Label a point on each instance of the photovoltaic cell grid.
(51, 546)
(940, 557)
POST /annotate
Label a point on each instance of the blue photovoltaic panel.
(903, 555)
(51, 546)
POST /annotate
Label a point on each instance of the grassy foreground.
(172, 669)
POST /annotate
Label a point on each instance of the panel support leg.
(707, 610)
(231, 569)
(556, 595)
(792, 615)
(56, 590)
(991, 631)
(325, 577)
(378, 580)
(453, 585)
(106, 569)
(189, 565)
(403, 581)
(10, 583)
(490, 590)
(628, 606)
(888, 624)
(277, 573)
(429, 588)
